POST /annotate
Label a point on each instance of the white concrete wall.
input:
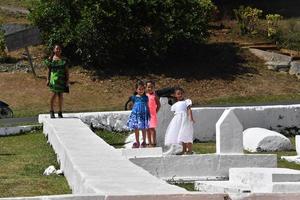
(275, 117)
(198, 166)
(5, 131)
(297, 141)
(229, 134)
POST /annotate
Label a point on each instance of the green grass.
(23, 159)
(113, 138)
(204, 147)
(187, 186)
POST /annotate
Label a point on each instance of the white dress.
(180, 128)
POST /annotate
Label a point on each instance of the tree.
(105, 32)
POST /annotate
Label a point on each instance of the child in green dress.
(57, 79)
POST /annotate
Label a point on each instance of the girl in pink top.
(154, 105)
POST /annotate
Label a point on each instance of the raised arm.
(157, 103)
(190, 113)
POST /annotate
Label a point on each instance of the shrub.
(289, 35)
(247, 19)
(273, 24)
(291, 41)
(102, 32)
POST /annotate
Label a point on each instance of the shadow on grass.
(193, 62)
(7, 154)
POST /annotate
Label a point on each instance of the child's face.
(179, 95)
(150, 88)
(140, 90)
(57, 50)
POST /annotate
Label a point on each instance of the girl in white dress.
(180, 129)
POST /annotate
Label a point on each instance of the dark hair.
(139, 83)
(178, 89)
(151, 82)
(52, 52)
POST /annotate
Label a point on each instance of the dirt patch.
(214, 72)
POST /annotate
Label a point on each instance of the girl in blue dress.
(140, 116)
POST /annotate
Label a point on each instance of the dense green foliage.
(122, 31)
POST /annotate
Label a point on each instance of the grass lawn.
(112, 138)
(23, 159)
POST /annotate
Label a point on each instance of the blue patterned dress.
(140, 116)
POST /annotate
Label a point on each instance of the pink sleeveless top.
(152, 108)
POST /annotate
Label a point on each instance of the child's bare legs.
(53, 97)
(144, 137)
(184, 147)
(154, 137)
(137, 139)
(60, 101)
(190, 147)
(149, 134)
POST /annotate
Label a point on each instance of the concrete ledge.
(258, 176)
(92, 166)
(204, 165)
(286, 187)
(255, 180)
(194, 196)
(297, 141)
(141, 152)
(221, 187)
(60, 197)
(274, 196)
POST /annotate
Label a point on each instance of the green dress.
(58, 75)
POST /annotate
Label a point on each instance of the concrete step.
(141, 152)
(198, 166)
(297, 141)
(286, 187)
(260, 176)
(221, 187)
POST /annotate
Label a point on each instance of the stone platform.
(92, 166)
(255, 180)
(141, 152)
